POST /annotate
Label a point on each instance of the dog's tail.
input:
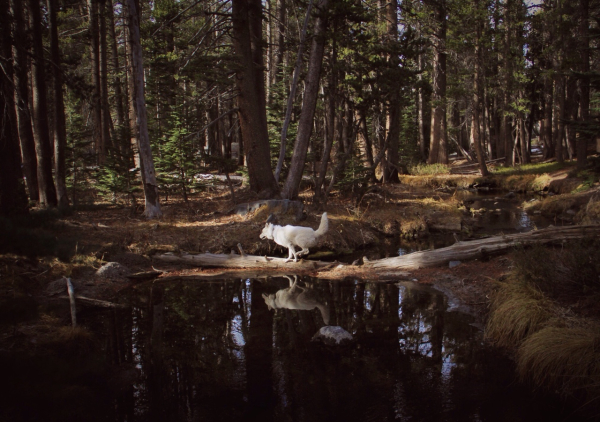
(324, 226)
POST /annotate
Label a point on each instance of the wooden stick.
(72, 301)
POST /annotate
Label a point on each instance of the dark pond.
(214, 351)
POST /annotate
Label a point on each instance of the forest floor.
(418, 210)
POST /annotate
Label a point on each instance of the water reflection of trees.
(214, 351)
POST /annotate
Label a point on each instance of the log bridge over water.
(394, 267)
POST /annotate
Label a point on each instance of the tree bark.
(438, 152)
(60, 125)
(329, 129)
(120, 118)
(41, 131)
(584, 83)
(306, 121)
(252, 111)
(105, 118)
(96, 100)
(21, 45)
(13, 200)
(292, 96)
(477, 89)
(152, 209)
(393, 108)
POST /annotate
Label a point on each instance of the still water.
(230, 351)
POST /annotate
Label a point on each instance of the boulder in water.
(333, 336)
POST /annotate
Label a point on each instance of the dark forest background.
(126, 96)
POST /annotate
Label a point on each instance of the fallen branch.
(95, 302)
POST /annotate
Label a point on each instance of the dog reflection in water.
(296, 297)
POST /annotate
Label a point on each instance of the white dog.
(296, 297)
(291, 236)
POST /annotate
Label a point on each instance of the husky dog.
(296, 297)
(291, 236)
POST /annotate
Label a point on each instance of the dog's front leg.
(292, 253)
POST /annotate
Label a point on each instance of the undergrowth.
(428, 169)
(536, 168)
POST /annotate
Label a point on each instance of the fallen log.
(242, 261)
(473, 249)
(387, 268)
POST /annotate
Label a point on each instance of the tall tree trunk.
(571, 107)
(106, 120)
(41, 131)
(96, 100)
(584, 82)
(329, 128)
(364, 129)
(438, 152)
(393, 110)
(278, 56)
(251, 102)
(152, 209)
(13, 200)
(477, 89)
(132, 112)
(21, 70)
(559, 90)
(306, 121)
(120, 111)
(506, 130)
(60, 125)
(292, 96)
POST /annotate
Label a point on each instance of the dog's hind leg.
(304, 251)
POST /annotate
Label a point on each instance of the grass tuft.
(518, 310)
(428, 169)
(562, 358)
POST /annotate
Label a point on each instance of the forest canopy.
(122, 97)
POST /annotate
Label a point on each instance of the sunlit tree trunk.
(41, 130)
(152, 209)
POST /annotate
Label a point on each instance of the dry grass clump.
(563, 358)
(541, 314)
(518, 310)
(590, 213)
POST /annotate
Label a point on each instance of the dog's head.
(270, 301)
(267, 231)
